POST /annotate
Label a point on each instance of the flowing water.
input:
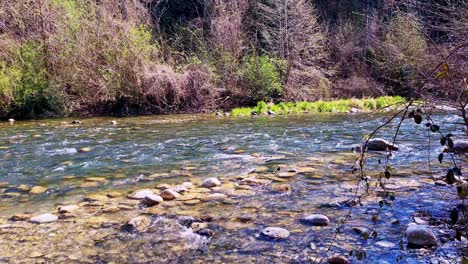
(143, 152)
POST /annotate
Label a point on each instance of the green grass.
(334, 106)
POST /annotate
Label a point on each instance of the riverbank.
(334, 106)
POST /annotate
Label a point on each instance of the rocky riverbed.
(275, 197)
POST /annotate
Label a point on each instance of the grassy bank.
(338, 106)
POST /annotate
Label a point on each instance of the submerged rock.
(211, 182)
(38, 190)
(43, 218)
(67, 208)
(20, 217)
(420, 236)
(275, 232)
(85, 149)
(139, 223)
(315, 219)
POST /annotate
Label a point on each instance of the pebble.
(420, 236)
(211, 182)
(43, 218)
(275, 232)
(316, 220)
(38, 190)
(169, 194)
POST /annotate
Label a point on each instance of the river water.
(142, 152)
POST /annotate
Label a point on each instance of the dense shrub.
(260, 75)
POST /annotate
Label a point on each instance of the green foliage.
(335, 106)
(261, 77)
(24, 81)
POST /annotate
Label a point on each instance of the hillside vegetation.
(87, 57)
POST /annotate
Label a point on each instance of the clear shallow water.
(144, 151)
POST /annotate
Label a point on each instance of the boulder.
(316, 220)
(380, 144)
(460, 147)
(420, 236)
(275, 232)
(211, 182)
(43, 218)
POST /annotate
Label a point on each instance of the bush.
(24, 83)
(261, 77)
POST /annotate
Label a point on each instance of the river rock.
(74, 122)
(420, 236)
(113, 122)
(380, 144)
(169, 194)
(254, 182)
(24, 188)
(38, 190)
(180, 188)
(316, 220)
(139, 223)
(271, 113)
(211, 182)
(205, 232)
(43, 218)
(20, 217)
(214, 197)
(140, 194)
(151, 200)
(361, 230)
(96, 197)
(187, 185)
(282, 188)
(67, 208)
(11, 120)
(85, 149)
(337, 259)
(460, 146)
(275, 232)
(354, 110)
